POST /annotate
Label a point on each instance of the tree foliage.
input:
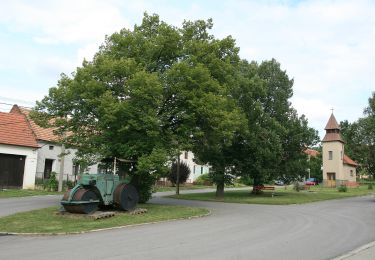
(360, 138)
(156, 90)
(271, 146)
(184, 173)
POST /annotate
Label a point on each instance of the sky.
(327, 47)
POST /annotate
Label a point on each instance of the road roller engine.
(99, 190)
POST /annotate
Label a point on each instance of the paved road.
(312, 231)
(14, 205)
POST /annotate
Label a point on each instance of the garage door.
(11, 170)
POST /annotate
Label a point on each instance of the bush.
(297, 186)
(184, 173)
(143, 182)
(342, 188)
(246, 180)
(68, 184)
(52, 184)
(203, 179)
(370, 186)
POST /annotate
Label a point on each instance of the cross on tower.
(332, 110)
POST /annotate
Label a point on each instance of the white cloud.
(326, 46)
(64, 21)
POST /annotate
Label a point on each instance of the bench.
(262, 187)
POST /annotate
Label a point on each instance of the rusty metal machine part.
(84, 201)
(125, 197)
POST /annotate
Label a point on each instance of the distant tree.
(360, 138)
(273, 141)
(184, 173)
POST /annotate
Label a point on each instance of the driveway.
(320, 230)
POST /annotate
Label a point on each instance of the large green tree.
(275, 136)
(148, 94)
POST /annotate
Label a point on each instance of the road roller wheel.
(85, 196)
(125, 197)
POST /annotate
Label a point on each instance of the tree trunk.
(220, 190)
(178, 176)
(257, 182)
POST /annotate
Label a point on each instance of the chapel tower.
(333, 155)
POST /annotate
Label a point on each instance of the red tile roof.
(15, 130)
(349, 161)
(311, 152)
(45, 134)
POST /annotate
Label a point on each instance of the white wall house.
(18, 152)
(29, 153)
(195, 169)
(49, 160)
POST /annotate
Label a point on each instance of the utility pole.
(114, 166)
(178, 176)
(62, 160)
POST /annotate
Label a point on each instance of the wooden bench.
(262, 187)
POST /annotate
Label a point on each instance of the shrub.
(297, 186)
(246, 180)
(184, 173)
(203, 179)
(69, 184)
(52, 184)
(342, 188)
(370, 186)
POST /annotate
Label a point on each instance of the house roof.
(45, 134)
(311, 152)
(349, 161)
(332, 123)
(15, 130)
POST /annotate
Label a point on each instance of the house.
(196, 169)
(18, 152)
(39, 147)
(338, 168)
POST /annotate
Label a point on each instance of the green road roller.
(95, 191)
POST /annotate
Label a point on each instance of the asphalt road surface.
(320, 230)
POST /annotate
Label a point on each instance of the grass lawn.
(49, 221)
(182, 187)
(281, 197)
(9, 193)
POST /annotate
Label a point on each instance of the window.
(186, 155)
(51, 147)
(330, 155)
(194, 169)
(351, 173)
(201, 169)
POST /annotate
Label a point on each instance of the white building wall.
(336, 164)
(350, 173)
(52, 151)
(30, 162)
(195, 169)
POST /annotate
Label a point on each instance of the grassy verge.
(182, 187)
(9, 193)
(49, 221)
(281, 196)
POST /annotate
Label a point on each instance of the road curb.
(355, 251)
(102, 229)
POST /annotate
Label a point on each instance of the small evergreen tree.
(184, 173)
